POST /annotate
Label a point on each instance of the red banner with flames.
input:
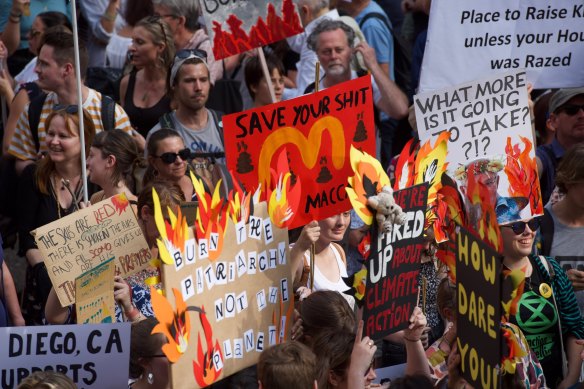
(301, 148)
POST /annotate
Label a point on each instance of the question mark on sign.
(467, 150)
(486, 144)
(526, 109)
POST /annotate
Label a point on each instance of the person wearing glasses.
(143, 91)
(149, 367)
(183, 18)
(562, 227)
(50, 190)
(168, 160)
(547, 312)
(566, 111)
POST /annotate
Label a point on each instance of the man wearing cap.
(567, 120)
(190, 84)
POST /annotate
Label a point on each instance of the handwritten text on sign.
(479, 310)
(392, 286)
(310, 137)
(77, 243)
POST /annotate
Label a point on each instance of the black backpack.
(108, 115)
(402, 59)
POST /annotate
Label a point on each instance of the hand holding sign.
(309, 235)
(418, 322)
(122, 294)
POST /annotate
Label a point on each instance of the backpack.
(108, 115)
(210, 176)
(402, 58)
(547, 232)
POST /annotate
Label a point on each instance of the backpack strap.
(218, 119)
(376, 15)
(35, 109)
(108, 113)
(547, 232)
(166, 121)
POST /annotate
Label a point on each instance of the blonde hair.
(47, 380)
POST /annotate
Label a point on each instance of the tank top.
(143, 119)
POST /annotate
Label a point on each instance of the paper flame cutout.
(521, 171)
(239, 204)
(120, 201)
(175, 326)
(211, 215)
(277, 319)
(368, 180)
(284, 199)
(275, 28)
(486, 226)
(172, 235)
(204, 367)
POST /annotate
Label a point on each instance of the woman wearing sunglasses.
(547, 312)
(49, 190)
(168, 160)
(143, 92)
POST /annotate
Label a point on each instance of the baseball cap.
(562, 96)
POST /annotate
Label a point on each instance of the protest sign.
(392, 270)
(94, 356)
(77, 243)
(219, 314)
(310, 137)
(238, 26)
(470, 39)
(94, 295)
(490, 135)
(478, 270)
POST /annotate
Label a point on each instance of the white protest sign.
(468, 39)
(94, 356)
(490, 127)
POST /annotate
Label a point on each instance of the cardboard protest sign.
(238, 26)
(94, 356)
(490, 137)
(77, 243)
(478, 279)
(94, 295)
(392, 270)
(220, 311)
(470, 39)
(309, 137)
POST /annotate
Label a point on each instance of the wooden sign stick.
(267, 74)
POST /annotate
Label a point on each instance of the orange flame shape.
(211, 216)
(239, 204)
(368, 180)
(284, 198)
(404, 169)
(277, 320)
(120, 201)
(175, 326)
(522, 173)
(173, 235)
(204, 367)
(487, 226)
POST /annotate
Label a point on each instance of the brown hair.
(446, 296)
(161, 35)
(169, 193)
(143, 344)
(47, 380)
(333, 350)
(325, 310)
(571, 168)
(122, 146)
(152, 147)
(287, 365)
(64, 50)
(46, 166)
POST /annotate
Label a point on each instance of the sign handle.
(267, 74)
(312, 255)
(317, 77)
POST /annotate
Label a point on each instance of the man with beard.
(190, 84)
(332, 41)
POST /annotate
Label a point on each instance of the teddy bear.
(387, 212)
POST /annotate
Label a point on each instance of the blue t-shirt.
(36, 7)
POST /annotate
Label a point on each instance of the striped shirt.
(22, 145)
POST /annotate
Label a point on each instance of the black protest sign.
(392, 269)
(478, 269)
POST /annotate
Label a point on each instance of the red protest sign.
(310, 138)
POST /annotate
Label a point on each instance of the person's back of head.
(287, 365)
(188, 9)
(64, 48)
(47, 380)
(416, 381)
(571, 168)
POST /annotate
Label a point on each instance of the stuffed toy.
(387, 212)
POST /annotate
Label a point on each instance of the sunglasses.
(572, 109)
(70, 109)
(519, 227)
(191, 53)
(169, 158)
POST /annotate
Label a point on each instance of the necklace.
(65, 184)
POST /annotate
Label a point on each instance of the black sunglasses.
(70, 109)
(572, 109)
(168, 158)
(187, 53)
(519, 227)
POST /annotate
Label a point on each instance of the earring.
(150, 378)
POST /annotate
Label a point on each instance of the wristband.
(15, 15)
(14, 19)
(132, 314)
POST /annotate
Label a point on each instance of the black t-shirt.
(538, 319)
